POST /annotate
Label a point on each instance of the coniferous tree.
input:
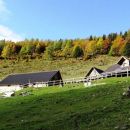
(58, 45)
(67, 49)
(2, 44)
(77, 52)
(126, 51)
(104, 37)
(91, 38)
(125, 35)
(49, 52)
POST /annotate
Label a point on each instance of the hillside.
(70, 68)
(72, 107)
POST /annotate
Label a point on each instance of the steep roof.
(22, 79)
(113, 68)
(117, 67)
(98, 70)
(126, 68)
(122, 59)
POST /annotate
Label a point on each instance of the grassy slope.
(69, 68)
(72, 107)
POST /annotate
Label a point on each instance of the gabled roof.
(113, 68)
(126, 68)
(22, 79)
(98, 70)
(122, 59)
(117, 67)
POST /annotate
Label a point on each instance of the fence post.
(127, 72)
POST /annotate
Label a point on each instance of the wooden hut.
(38, 79)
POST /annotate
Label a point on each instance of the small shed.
(93, 72)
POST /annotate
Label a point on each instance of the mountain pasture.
(72, 107)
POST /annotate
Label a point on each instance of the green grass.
(70, 68)
(72, 107)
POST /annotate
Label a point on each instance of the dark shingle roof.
(98, 70)
(22, 79)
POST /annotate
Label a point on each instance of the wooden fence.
(86, 79)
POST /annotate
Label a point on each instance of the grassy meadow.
(70, 68)
(72, 107)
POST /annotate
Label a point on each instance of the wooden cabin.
(38, 79)
(94, 72)
(121, 68)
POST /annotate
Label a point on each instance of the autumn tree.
(99, 46)
(8, 50)
(106, 46)
(90, 49)
(117, 45)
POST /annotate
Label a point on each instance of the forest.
(113, 44)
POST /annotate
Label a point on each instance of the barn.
(39, 79)
(94, 72)
(121, 68)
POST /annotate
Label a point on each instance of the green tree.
(104, 37)
(58, 45)
(77, 52)
(125, 35)
(27, 49)
(49, 52)
(126, 51)
(68, 49)
(112, 36)
(2, 44)
(91, 38)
